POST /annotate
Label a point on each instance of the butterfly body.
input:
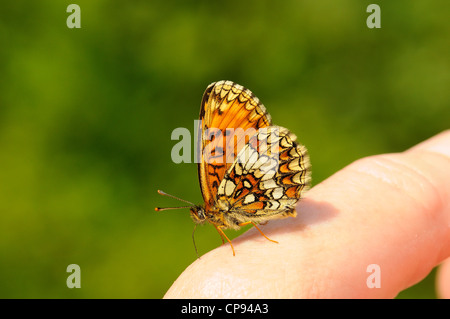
(257, 176)
(250, 170)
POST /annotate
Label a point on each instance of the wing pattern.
(229, 115)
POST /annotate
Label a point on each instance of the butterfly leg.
(222, 235)
(246, 223)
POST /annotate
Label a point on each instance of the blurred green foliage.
(86, 117)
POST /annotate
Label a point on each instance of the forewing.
(230, 115)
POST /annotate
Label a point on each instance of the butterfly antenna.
(158, 209)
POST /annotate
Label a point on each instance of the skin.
(392, 210)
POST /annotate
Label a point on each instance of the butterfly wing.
(228, 111)
(267, 178)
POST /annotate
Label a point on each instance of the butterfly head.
(198, 214)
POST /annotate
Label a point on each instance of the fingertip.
(439, 144)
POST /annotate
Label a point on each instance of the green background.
(86, 117)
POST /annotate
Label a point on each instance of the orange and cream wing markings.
(225, 106)
(267, 180)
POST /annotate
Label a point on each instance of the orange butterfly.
(250, 171)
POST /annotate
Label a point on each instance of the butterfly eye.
(201, 213)
(198, 213)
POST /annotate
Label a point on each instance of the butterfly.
(250, 171)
